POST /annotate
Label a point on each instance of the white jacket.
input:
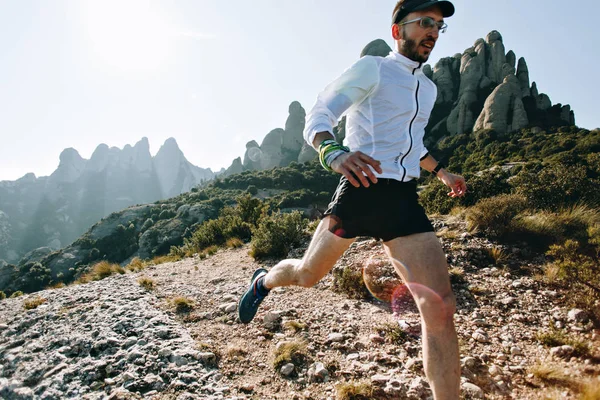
(388, 102)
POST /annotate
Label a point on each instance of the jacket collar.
(406, 62)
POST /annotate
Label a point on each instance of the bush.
(349, 280)
(276, 234)
(480, 186)
(2, 295)
(557, 186)
(545, 228)
(16, 294)
(494, 216)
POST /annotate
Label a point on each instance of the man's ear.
(396, 32)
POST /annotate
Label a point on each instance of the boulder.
(504, 110)
(252, 157)
(307, 154)
(427, 71)
(377, 47)
(272, 149)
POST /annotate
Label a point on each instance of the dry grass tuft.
(182, 304)
(289, 352)
(354, 391)
(294, 326)
(147, 283)
(34, 303)
(590, 390)
(99, 271)
(457, 275)
(236, 351)
(165, 259)
(498, 255)
(392, 332)
(557, 337)
(234, 243)
(136, 265)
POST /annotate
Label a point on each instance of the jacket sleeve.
(349, 89)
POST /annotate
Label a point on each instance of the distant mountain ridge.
(54, 210)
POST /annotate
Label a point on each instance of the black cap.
(418, 5)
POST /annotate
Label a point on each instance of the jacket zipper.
(410, 128)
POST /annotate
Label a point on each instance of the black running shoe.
(248, 305)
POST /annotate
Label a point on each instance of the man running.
(388, 103)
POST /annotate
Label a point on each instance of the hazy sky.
(215, 74)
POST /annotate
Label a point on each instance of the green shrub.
(480, 186)
(18, 293)
(493, 216)
(349, 281)
(557, 186)
(276, 234)
(2, 295)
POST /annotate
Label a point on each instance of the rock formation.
(292, 138)
(377, 47)
(53, 211)
(504, 110)
(468, 87)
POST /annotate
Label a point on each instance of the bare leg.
(323, 251)
(421, 262)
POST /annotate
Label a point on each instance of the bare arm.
(456, 183)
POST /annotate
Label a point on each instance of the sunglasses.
(428, 23)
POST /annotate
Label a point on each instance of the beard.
(410, 49)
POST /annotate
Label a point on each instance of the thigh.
(420, 259)
(324, 250)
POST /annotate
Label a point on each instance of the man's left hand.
(456, 183)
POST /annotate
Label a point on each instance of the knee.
(438, 310)
(304, 277)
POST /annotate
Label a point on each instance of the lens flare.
(254, 154)
(381, 279)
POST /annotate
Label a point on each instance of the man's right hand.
(355, 165)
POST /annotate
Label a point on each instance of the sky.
(216, 74)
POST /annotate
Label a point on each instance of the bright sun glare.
(131, 36)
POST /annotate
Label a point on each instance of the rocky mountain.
(53, 211)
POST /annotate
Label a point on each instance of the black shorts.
(385, 210)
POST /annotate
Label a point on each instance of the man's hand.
(456, 183)
(353, 164)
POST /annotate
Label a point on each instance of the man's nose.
(434, 33)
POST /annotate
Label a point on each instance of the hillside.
(115, 339)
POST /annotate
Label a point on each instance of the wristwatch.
(437, 168)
